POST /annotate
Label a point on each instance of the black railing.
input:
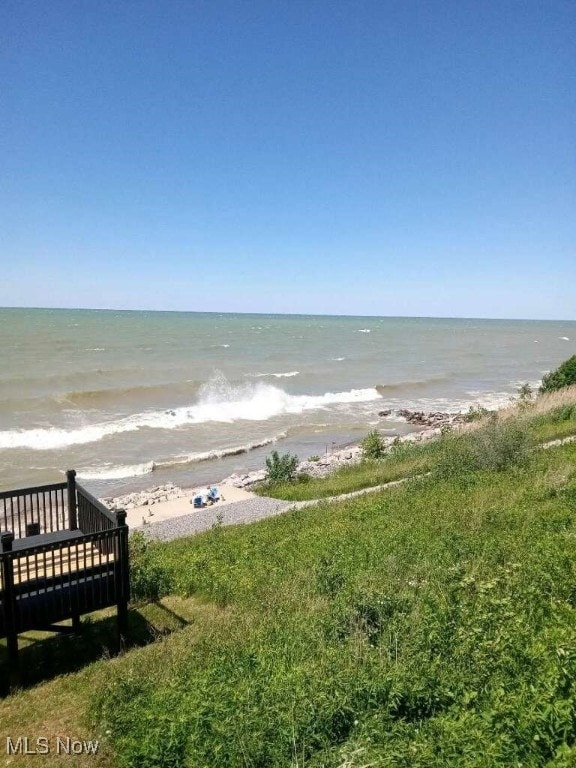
(93, 516)
(62, 554)
(40, 509)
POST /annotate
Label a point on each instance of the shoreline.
(164, 502)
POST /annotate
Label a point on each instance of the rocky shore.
(149, 497)
(431, 425)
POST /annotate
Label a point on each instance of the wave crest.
(218, 401)
(109, 472)
(400, 386)
(287, 375)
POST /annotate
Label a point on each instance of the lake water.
(134, 399)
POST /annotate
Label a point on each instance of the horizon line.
(292, 314)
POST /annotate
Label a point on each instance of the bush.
(373, 445)
(148, 580)
(494, 447)
(563, 376)
(563, 413)
(281, 469)
(525, 393)
(476, 413)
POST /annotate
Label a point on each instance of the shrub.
(148, 580)
(563, 376)
(495, 447)
(563, 413)
(373, 445)
(281, 469)
(525, 393)
(475, 413)
(313, 458)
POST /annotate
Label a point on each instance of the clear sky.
(378, 157)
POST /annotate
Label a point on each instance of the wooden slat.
(69, 560)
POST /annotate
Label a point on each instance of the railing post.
(124, 577)
(72, 504)
(6, 541)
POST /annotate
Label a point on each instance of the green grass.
(429, 625)
(76, 666)
(558, 423)
(409, 460)
(406, 461)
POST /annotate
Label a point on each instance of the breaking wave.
(217, 401)
(116, 472)
(112, 472)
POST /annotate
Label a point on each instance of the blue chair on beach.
(198, 502)
(213, 494)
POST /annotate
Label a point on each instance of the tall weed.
(494, 447)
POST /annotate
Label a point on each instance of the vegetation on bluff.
(429, 625)
(281, 469)
(530, 422)
(563, 376)
(433, 624)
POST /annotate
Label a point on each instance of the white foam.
(218, 402)
(217, 453)
(286, 375)
(476, 398)
(109, 472)
(364, 330)
(533, 384)
(338, 359)
(564, 338)
(95, 349)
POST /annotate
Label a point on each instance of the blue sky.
(406, 157)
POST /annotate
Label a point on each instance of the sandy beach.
(146, 509)
(151, 511)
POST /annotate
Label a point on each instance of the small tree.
(525, 396)
(563, 376)
(281, 469)
(373, 445)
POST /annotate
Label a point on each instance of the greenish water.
(137, 398)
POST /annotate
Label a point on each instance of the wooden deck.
(44, 563)
(77, 564)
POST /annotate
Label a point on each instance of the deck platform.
(62, 554)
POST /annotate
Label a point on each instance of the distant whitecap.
(286, 375)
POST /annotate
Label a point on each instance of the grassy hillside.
(432, 624)
(547, 418)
